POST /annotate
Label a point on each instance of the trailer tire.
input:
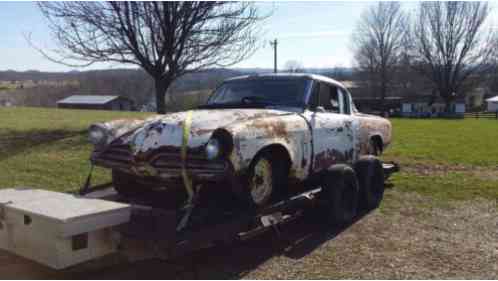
(371, 182)
(340, 192)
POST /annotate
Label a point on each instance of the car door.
(332, 129)
(351, 121)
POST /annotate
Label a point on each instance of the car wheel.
(264, 180)
(340, 192)
(371, 181)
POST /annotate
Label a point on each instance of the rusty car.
(258, 137)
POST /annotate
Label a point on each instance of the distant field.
(446, 159)
(8, 85)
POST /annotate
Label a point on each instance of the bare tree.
(167, 39)
(378, 42)
(449, 44)
(293, 66)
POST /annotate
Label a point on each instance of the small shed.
(492, 104)
(117, 103)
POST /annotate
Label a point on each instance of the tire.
(126, 184)
(265, 181)
(373, 148)
(340, 192)
(371, 182)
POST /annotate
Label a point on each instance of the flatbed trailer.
(156, 228)
(152, 232)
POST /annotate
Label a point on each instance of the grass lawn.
(48, 148)
(447, 159)
(469, 142)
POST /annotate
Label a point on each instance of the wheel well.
(377, 140)
(277, 152)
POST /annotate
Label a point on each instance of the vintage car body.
(307, 139)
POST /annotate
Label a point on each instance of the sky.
(317, 34)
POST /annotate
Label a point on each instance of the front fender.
(290, 132)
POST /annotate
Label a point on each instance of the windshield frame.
(301, 104)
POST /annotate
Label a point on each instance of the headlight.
(213, 149)
(97, 135)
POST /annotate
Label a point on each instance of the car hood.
(167, 130)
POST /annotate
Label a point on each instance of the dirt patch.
(486, 173)
(402, 240)
(405, 242)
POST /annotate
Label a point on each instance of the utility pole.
(274, 45)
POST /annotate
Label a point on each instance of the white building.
(492, 104)
(426, 106)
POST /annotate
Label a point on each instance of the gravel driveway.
(407, 238)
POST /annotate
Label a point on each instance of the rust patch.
(201, 131)
(273, 129)
(325, 159)
(368, 124)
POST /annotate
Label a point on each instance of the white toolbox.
(58, 229)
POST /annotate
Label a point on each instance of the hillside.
(35, 88)
(44, 89)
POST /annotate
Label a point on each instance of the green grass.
(48, 148)
(452, 186)
(470, 142)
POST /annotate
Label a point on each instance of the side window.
(334, 100)
(314, 98)
(329, 98)
(345, 102)
(326, 96)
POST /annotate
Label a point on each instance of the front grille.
(195, 163)
(119, 155)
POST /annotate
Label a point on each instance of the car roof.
(315, 77)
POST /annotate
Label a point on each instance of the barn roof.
(493, 99)
(87, 99)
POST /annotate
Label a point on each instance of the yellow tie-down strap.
(185, 139)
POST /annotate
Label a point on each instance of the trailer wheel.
(340, 191)
(371, 180)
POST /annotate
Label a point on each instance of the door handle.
(340, 129)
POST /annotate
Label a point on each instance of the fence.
(485, 115)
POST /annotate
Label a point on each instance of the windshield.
(260, 92)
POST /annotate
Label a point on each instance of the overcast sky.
(315, 33)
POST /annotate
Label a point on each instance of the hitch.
(390, 168)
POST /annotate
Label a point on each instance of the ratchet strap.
(185, 138)
(187, 181)
(86, 186)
